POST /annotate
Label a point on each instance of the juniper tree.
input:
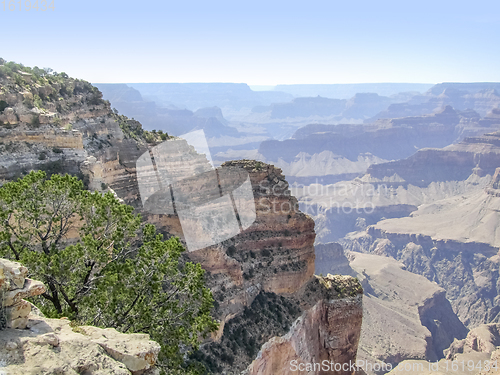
(102, 265)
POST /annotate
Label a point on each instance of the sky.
(258, 42)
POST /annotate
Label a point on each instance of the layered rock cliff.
(452, 241)
(396, 189)
(326, 154)
(480, 155)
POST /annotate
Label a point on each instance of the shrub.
(35, 121)
(118, 272)
(3, 105)
(231, 250)
(37, 101)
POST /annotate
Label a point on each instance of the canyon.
(400, 201)
(270, 263)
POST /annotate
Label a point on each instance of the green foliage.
(3, 105)
(265, 253)
(231, 250)
(133, 129)
(269, 315)
(102, 265)
(18, 79)
(35, 121)
(149, 137)
(28, 102)
(37, 101)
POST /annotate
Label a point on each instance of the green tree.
(102, 265)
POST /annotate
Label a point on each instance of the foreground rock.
(14, 287)
(54, 346)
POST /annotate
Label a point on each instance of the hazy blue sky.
(259, 42)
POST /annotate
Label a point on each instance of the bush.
(231, 250)
(37, 101)
(118, 272)
(35, 121)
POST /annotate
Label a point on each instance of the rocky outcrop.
(33, 344)
(452, 241)
(275, 254)
(482, 339)
(53, 346)
(405, 316)
(478, 353)
(467, 271)
(14, 286)
(329, 331)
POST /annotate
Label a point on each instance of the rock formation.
(275, 254)
(13, 288)
(478, 353)
(479, 155)
(354, 147)
(328, 331)
(33, 344)
(405, 316)
(480, 97)
(395, 189)
(451, 241)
